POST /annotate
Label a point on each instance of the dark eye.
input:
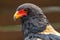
(27, 9)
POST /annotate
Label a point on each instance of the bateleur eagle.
(35, 25)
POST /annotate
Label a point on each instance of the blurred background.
(10, 30)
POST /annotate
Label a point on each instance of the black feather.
(35, 22)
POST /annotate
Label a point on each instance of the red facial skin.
(22, 12)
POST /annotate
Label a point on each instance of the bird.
(35, 25)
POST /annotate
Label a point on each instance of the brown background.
(8, 7)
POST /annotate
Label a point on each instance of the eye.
(27, 9)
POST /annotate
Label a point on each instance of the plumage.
(35, 25)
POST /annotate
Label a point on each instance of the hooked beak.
(20, 14)
(16, 16)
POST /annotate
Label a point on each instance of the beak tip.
(14, 18)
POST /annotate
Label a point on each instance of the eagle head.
(26, 10)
